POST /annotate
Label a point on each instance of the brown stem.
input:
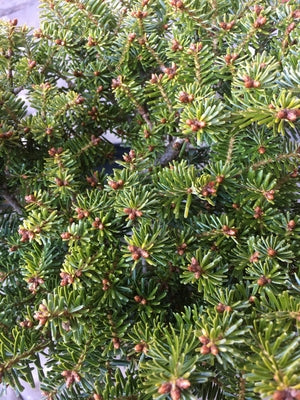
(172, 151)
(165, 96)
(10, 200)
(278, 158)
(242, 390)
(230, 149)
(24, 356)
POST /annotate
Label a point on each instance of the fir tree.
(175, 276)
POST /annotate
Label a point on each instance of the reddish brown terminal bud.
(13, 22)
(31, 64)
(204, 339)
(204, 349)
(165, 388)
(281, 395)
(144, 253)
(292, 115)
(296, 14)
(263, 281)
(214, 350)
(65, 235)
(135, 255)
(131, 37)
(139, 347)
(271, 252)
(137, 298)
(290, 28)
(116, 343)
(49, 131)
(182, 383)
(220, 178)
(281, 114)
(291, 225)
(220, 308)
(294, 174)
(252, 299)
(248, 84)
(269, 195)
(254, 257)
(258, 212)
(258, 9)
(79, 100)
(260, 22)
(175, 393)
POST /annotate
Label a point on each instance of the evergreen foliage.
(176, 275)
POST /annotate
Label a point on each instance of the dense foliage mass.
(172, 274)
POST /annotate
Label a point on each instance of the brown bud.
(220, 308)
(291, 225)
(135, 255)
(271, 252)
(165, 388)
(175, 393)
(31, 64)
(248, 84)
(263, 281)
(131, 37)
(258, 212)
(281, 114)
(139, 347)
(254, 257)
(79, 100)
(204, 339)
(38, 33)
(290, 28)
(252, 299)
(91, 42)
(116, 343)
(291, 115)
(144, 253)
(220, 178)
(65, 235)
(280, 395)
(13, 22)
(137, 298)
(205, 350)
(49, 131)
(261, 150)
(294, 174)
(296, 14)
(258, 9)
(214, 350)
(228, 58)
(260, 21)
(269, 195)
(182, 383)
(30, 198)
